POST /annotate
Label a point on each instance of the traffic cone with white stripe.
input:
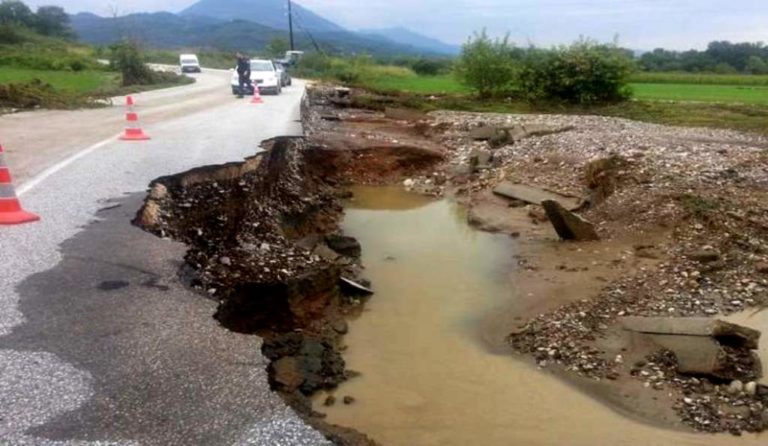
(256, 95)
(11, 212)
(133, 132)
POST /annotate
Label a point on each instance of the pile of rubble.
(707, 188)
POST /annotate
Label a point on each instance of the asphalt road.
(100, 343)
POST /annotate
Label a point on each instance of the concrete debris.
(723, 332)
(505, 135)
(480, 160)
(702, 346)
(405, 114)
(353, 288)
(568, 225)
(534, 195)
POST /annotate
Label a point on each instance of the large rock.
(568, 225)
(346, 246)
(303, 363)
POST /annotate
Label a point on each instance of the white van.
(189, 63)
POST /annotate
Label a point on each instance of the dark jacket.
(243, 66)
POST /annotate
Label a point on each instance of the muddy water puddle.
(427, 379)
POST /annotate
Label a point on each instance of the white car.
(189, 63)
(264, 74)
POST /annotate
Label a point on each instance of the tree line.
(47, 20)
(720, 57)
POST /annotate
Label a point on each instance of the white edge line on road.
(42, 176)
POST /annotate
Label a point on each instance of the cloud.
(642, 24)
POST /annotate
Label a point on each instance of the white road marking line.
(44, 175)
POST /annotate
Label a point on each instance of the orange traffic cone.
(256, 95)
(133, 132)
(11, 212)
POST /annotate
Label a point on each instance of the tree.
(14, 12)
(756, 65)
(53, 21)
(277, 47)
(487, 66)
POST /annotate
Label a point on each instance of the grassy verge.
(703, 92)
(727, 94)
(699, 79)
(83, 82)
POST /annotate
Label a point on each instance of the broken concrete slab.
(351, 287)
(483, 133)
(500, 136)
(534, 195)
(703, 346)
(568, 225)
(704, 356)
(724, 332)
(480, 160)
(405, 114)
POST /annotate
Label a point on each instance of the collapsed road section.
(657, 237)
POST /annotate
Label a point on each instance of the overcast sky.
(640, 24)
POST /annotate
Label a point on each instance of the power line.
(309, 34)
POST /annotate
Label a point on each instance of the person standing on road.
(243, 73)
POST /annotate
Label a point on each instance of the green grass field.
(660, 91)
(703, 79)
(726, 94)
(70, 81)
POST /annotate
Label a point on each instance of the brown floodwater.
(427, 379)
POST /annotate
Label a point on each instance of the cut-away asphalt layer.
(99, 343)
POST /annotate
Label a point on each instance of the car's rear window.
(261, 66)
(190, 61)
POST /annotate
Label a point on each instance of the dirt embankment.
(264, 242)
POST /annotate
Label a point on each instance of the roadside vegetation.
(584, 78)
(42, 65)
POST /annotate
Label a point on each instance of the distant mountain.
(405, 36)
(166, 30)
(271, 13)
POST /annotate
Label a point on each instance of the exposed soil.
(682, 215)
(264, 242)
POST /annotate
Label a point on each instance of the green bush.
(11, 35)
(584, 73)
(126, 57)
(488, 66)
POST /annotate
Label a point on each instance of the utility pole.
(290, 23)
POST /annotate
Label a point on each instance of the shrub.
(126, 58)
(11, 35)
(487, 66)
(584, 73)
